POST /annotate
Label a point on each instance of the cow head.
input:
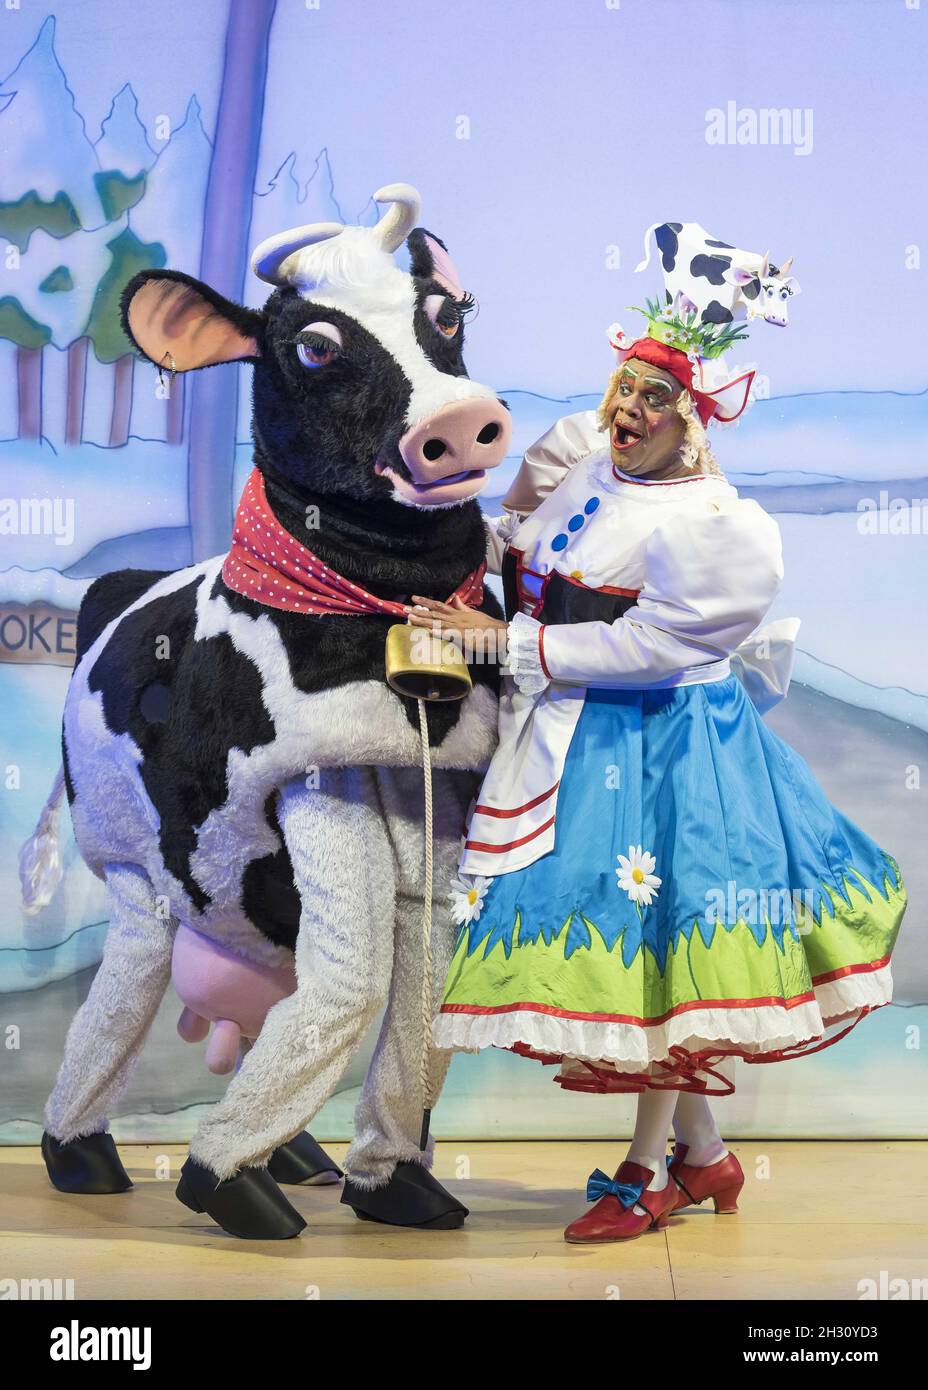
(360, 387)
(767, 291)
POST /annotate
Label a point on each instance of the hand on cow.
(450, 619)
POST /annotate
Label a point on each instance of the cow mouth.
(623, 437)
(450, 487)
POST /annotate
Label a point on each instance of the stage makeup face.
(645, 427)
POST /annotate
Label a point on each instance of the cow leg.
(106, 1038)
(387, 1172)
(300, 1162)
(344, 871)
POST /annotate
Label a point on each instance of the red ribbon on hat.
(679, 365)
(267, 564)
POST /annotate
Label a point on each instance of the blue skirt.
(748, 915)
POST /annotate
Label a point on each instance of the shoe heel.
(184, 1194)
(663, 1220)
(727, 1202)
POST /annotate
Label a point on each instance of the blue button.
(591, 506)
(575, 522)
(559, 542)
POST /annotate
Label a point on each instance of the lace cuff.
(524, 664)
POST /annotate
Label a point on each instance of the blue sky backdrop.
(587, 123)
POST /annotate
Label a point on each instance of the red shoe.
(721, 1181)
(614, 1216)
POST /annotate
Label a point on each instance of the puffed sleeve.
(709, 578)
(549, 458)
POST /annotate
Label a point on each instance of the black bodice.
(563, 600)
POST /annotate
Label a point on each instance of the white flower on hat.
(636, 875)
(467, 894)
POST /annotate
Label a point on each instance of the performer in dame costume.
(652, 882)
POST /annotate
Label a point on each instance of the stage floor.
(817, 1221)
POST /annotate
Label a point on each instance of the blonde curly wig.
(695, 449)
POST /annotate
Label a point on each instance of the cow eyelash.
(315, 350)
(465, 305)
(317, 340)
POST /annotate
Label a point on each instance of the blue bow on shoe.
(599, 1183)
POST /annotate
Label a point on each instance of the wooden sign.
(37, 634)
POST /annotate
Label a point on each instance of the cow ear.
(737, 275)
(429, 260)
(180, 323)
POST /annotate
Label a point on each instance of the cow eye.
(442, 314)
(318, 344)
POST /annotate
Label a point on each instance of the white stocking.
(694, 1125)
(649, 1142)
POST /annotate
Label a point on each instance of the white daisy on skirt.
(467, 895)
(636, 875)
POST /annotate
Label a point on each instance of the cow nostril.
(488, 433)
(433, 449)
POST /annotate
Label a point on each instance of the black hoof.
(412, 1197)
(90, 1166)
(303, 1161)
(250, 1205)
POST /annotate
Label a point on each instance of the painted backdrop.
(545, 136)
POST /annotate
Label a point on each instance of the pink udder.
(218, 986)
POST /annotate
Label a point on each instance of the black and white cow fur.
(728, 282)
(262, 780)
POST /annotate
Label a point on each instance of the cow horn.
(784, 268)
(765, 268)
(269, 259)
(398, 221)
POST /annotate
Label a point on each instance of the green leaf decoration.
(686, 332)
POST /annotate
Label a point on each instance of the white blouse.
(703, 567)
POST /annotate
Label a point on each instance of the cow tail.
(643, 265)
(40, 870)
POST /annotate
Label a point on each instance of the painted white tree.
(123, 140)
(124, 156)
(61, 188)
(50, 185)
(171, 215)
(58, 282)
(288, 199)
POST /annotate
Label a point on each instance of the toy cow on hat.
(239, 772)
(729, 283)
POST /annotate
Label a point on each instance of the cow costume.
(652, 883)
(238, 770)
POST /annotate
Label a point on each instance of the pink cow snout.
(449, 453)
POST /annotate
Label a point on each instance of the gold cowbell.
(424, 666)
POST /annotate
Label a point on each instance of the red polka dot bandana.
(267, 564)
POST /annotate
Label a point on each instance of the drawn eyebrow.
(651, 380)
